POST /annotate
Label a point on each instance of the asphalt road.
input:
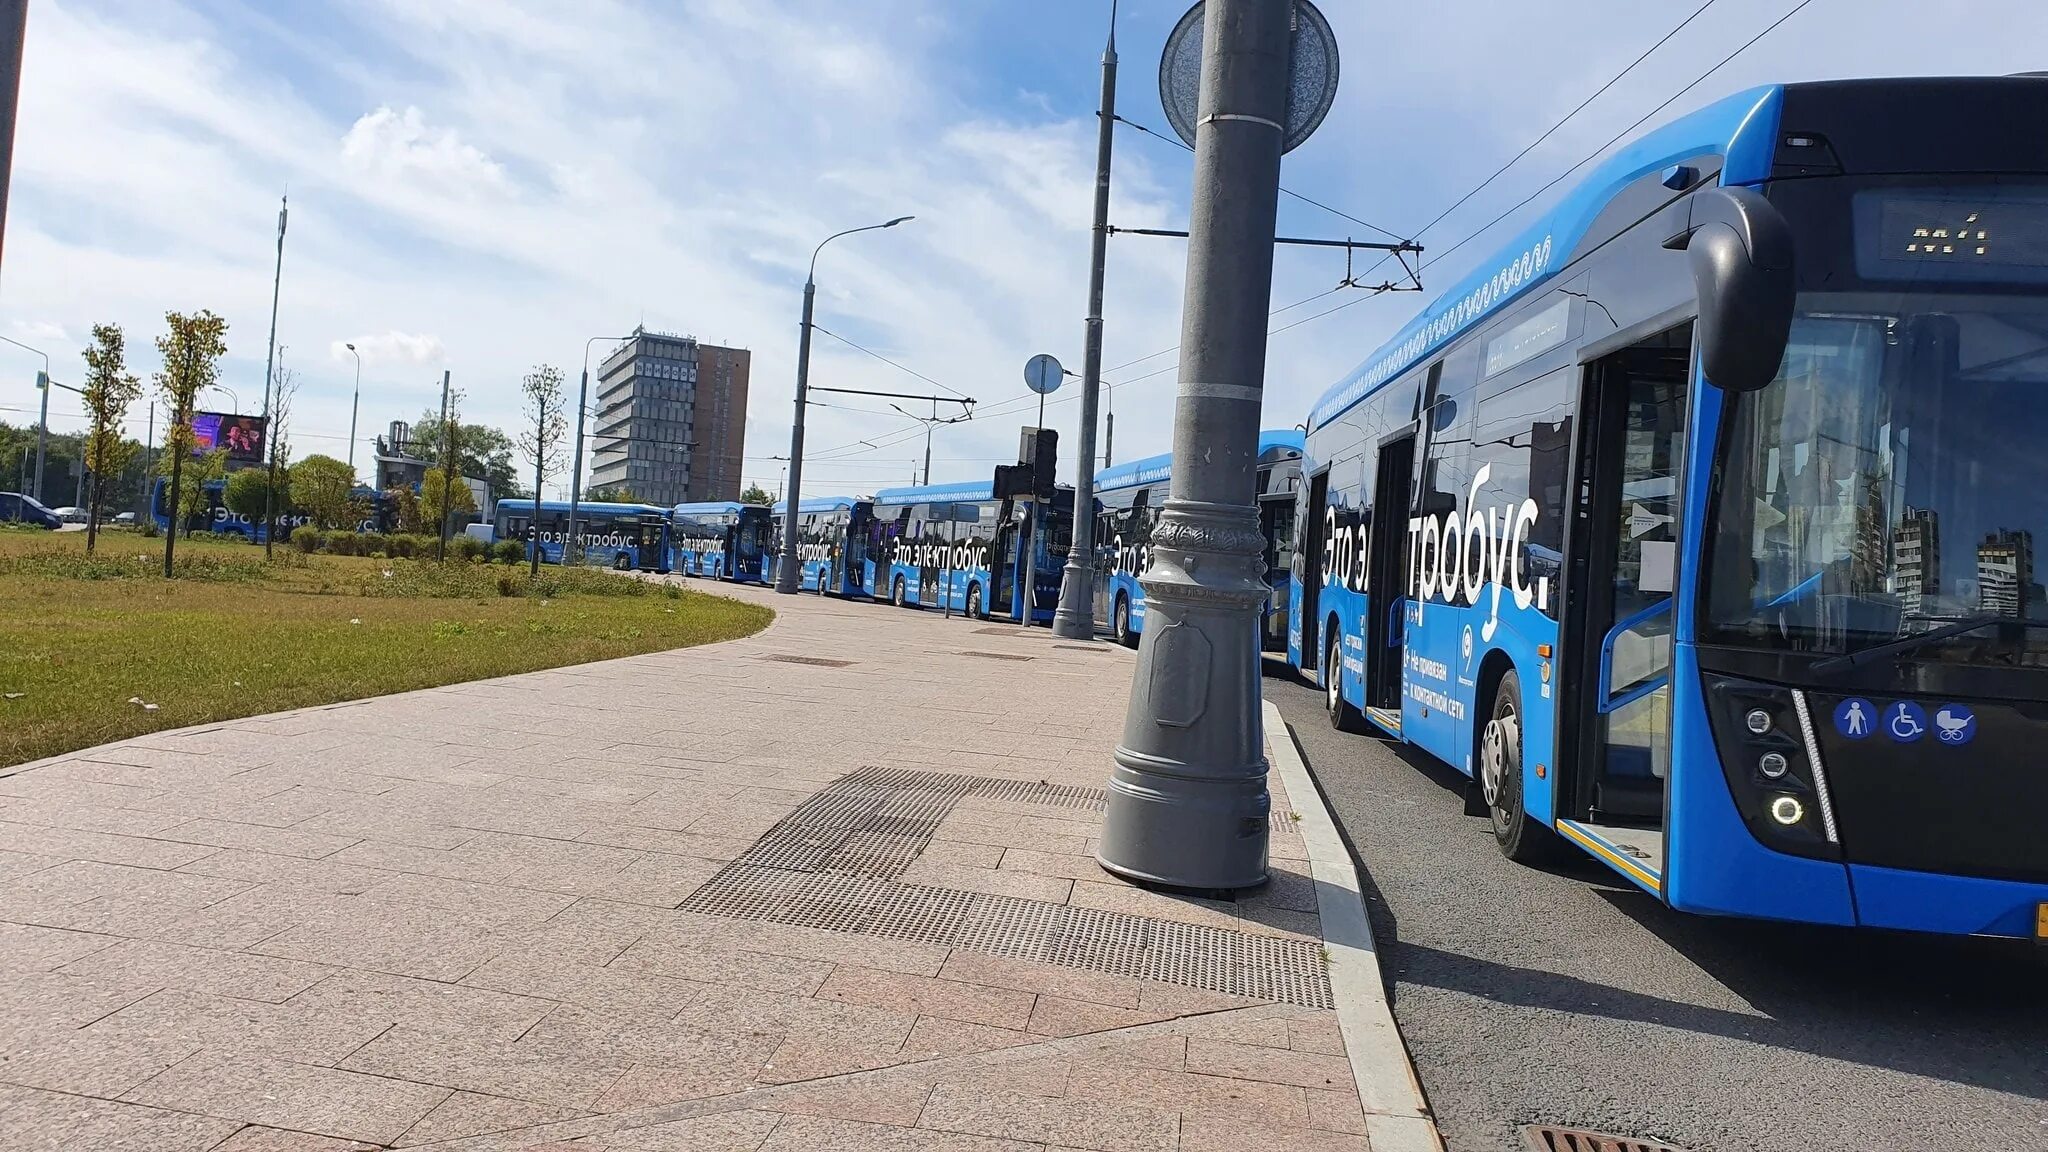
(1571, 997)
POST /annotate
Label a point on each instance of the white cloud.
(401, 146)
(391, 348)
(38, 332)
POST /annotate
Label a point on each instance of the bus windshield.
(1892, 479)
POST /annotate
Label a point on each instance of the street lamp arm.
(812, 274)
(37, 351)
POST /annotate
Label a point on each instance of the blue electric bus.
(723, 540)
(1128, 501)
(1697, 526)
(959, 546)
(380, 513)
(832, 541)
(628, 537)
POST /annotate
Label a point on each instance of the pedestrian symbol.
(1905, 721)
(1854, 717)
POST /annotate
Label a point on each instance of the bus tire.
(896, 596)
(619, 563)
(1521, 837)
(974, 608)
(1344, 716)
(1120, 622)
(821, 581)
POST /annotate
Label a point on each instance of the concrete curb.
(1397, 1116)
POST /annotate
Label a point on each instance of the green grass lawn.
(79, 640)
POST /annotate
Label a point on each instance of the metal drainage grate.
(1551, 1138)
(832, 864)
(1010, 631)
(814, 661)
(1083, 648)
(996, 655)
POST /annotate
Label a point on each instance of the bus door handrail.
(1609, 702)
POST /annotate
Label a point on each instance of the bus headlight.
(1787, 810)
(1757, 721)
(1774, 765)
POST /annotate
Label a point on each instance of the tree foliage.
(245, 491)
(192, 348)
(755, 494)
(612, 494)
(109, 389)
(483, 451)
(460, 499)
(325, 488)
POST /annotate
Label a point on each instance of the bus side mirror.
(1741, 250)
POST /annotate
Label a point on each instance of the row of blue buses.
(1128, 501)
(628, 537)
(1697, 526)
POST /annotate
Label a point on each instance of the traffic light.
(1013, 481)
(1045, 463)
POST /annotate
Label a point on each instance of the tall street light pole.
(786, 574)
(1075, 618)
(42, 417)
(576, 468)
(269, 365)
(355, 401)
(1187, 799)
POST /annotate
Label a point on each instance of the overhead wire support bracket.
(1399, 251)
(964, 401)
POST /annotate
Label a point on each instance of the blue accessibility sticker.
(1955, 725)
(1855, 718)
(1905, 721)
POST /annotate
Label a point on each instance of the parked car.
(125, 519)
(28, 510)
(70, 515)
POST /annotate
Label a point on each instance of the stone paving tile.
(1189, 1093)
(1058, 1016)
(36, 1119)
(927, 996)
(61, 787)
(34, 1004)
(1033, 1076)
(1026, 976)
(1119, 897)
(908, 956)
(102, 847)
(495, 902)
(1104, 1125)
(200, 970)
(1250, 1062)
(259, 1139)
(519, 1071)
(960, 854)
(741, 1131)
(264, 868)
(27, 948)
(641, 1040)
(819, 1134)
(84, 817)
(428, 1005)
(700, 845)
(1052, 864)
(281, 1094)
(814, 1058)
(620, 991)
(467, 1114)
(875, 1102)
(1316, 1032)
(90, 896)
(399, 939)
(933, 1036)
(644, 1086)
(1222, 1134)
(1336, 1111)
(715, 962)
(257, 838)
(87, 1063)
(195, 1020)
(14, 865)
(425, 861)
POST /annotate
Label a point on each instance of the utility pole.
(148, 455)
(1188, 803)
(1075, 617)
(928, 425)
(447, 465)
(269, 364)
(355, 402)
(13, 30)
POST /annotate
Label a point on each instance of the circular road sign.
(1311, 80)
(1043, 373)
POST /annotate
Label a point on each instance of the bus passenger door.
(1002, 560)
(1623, 577)
(1305, 645)
(1386, 614)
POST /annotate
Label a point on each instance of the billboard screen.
(242, 436)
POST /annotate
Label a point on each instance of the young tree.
(485, 452)
(542, 442)
(612, 494)
(109, 389)
(433, 515)
(191, 348)
(755, 494)
(325, 488)
(283, 387)
(249, 494)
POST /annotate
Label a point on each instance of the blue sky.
(480, 185)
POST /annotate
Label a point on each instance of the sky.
(480, 186)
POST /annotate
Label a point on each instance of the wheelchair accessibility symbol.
(1955, 725)
(1905, 721)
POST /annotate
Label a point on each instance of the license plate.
(2041, 922)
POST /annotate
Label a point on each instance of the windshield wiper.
(1953, 628)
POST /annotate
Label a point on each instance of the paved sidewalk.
(830, 887)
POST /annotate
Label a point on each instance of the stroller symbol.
(1955, 724)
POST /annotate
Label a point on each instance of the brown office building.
(671, 419)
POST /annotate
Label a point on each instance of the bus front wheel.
(619, 563)
(896, 594)
(1120, 622)
(1343, 714)
(1521, 838)
(974, 611)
